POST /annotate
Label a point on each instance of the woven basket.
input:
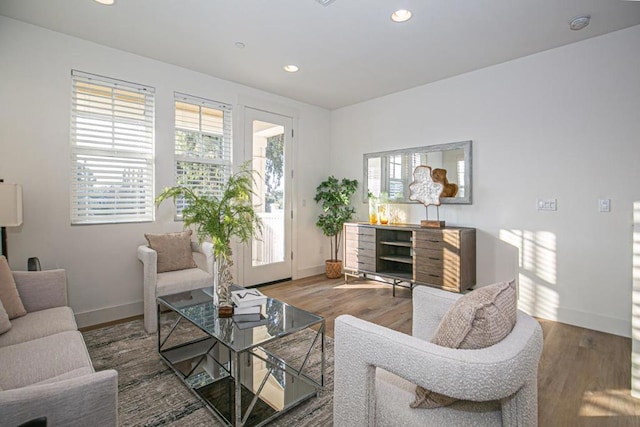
(333, 268)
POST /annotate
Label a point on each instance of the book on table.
(250, 309)
(253, 317)
(248, 297)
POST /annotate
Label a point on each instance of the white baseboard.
(109, 314)
(310, 271)
(611, 325)
(597, 322)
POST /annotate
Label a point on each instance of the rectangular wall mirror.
(392, 171)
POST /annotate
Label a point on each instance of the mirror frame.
(466, 146)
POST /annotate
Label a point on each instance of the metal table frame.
(232, 371)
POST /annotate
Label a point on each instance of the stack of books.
(248, 307)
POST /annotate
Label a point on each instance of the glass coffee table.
(246, 372)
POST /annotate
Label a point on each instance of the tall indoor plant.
(335, 198)
(221, 218)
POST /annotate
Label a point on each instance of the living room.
(557, 124)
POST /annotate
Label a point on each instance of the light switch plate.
(547, 204)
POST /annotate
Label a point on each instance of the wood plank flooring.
(584, 375)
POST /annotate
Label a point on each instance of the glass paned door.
(268, 135)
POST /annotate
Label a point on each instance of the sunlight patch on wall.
(537, 262)
(537, 299)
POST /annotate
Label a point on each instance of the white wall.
(562, 124)
(104, 274)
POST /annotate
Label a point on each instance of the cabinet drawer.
(360, 245)
(448, 281)
(362, 255)
(430, 259)
(428, 278)
(437, 239)
(356, 229)
(352, 262)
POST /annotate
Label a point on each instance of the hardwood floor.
(584, 375)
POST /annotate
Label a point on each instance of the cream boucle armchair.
(377, 369)
(171, 282)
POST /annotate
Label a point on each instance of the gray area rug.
(150, 393)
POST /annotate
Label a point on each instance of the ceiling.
(348, 51)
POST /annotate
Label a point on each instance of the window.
(112, 149)
(202, 145)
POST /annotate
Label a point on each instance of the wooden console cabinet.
(443, 258)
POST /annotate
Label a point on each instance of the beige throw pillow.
(9, 292)
(174, 250)
(5, 324)
(480, 319)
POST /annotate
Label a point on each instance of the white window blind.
(112, 149)
(203, 150)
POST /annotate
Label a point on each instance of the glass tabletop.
(278, 319)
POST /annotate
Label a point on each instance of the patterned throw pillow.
(480, 319)
(9, 292)
(174, 250)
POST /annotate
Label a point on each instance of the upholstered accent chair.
(170, 282)
(377, 370)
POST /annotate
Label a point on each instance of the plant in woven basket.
(334, 196)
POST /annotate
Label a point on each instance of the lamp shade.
(10, 205)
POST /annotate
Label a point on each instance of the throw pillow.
(174, 250)
(480, 319)
(9, 292)
(5, 324)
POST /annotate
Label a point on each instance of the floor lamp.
(10, 210)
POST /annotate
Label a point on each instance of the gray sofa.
(46, 369)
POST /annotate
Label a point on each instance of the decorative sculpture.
(450, 189)
(427, 191)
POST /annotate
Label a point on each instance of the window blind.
(112, 149)
(203, 148)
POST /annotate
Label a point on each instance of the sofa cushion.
(5, 324)
(8, 291)
(38, 360)
(39, 324)
(174, 250)
(480, 319)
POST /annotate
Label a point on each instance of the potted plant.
(220, 218)
(335, 198)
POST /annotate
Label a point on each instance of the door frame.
(240, 156)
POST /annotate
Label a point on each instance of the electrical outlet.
(604, 205)
(547, 204)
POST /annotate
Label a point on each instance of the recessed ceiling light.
(579, 22)
(106, 2)
(291, 68)
(401, 15)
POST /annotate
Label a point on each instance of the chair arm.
(429, 307)
(40, 290)
(82, 401)
(149, 259)
(480, 375)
